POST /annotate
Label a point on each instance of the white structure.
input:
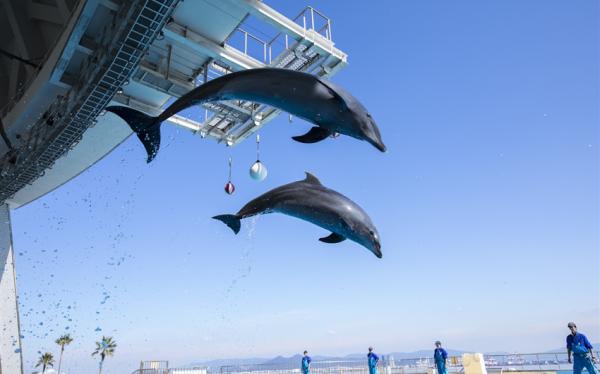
(10, 340)
(162, 367)
(63, 61)
(474, 363)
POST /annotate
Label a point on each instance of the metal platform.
(165, 49)
(184, 59)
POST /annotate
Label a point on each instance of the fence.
(541, 362)
(389, 365)
(266, 51)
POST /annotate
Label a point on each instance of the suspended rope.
(229, 186)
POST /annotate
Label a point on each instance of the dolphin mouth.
(381, 147)
(377, 250)
(378, 144)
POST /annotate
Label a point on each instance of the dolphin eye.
(371, 232)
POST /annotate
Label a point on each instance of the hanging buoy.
(229, 187)
(258, 171)
(290, 118)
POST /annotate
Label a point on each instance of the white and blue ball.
(258, 171)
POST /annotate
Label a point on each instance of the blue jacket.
(306, 360)
(578, 339)
(373, 359)
(440, 354)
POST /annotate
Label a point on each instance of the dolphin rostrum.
(321, 102)
(309, 200)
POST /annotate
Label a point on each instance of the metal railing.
(308, 14)
(529, 362)
(309, 18)
(238, 120)
(151, 371)
(355, 366)
(248, 37)
(389, 365)
(166, 370)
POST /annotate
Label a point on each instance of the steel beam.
(46, 13)
(63, 9)
(27, 37)
(235, 59)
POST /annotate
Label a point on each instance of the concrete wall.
(10, 341)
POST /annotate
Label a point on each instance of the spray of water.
(243, 271)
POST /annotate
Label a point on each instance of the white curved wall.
(96, 143)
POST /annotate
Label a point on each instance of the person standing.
(306, 360)
(440, 356)
(582, 351)
(373, 359)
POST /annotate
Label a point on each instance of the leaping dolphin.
(321, 102)
(309, 200)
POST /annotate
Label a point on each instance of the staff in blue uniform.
(440, 356)
(373, 360)
(582, 350)
(306, 360)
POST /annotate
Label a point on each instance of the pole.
(11, 358)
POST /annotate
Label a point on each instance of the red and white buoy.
(229, 186)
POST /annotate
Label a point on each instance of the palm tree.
(45, 360)
(62, 341)
(105, 348)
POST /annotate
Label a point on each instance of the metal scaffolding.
(63, 124)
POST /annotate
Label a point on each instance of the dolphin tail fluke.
(230, 220)
(315, 134)
(147, 128)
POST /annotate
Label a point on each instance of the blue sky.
(487, 203)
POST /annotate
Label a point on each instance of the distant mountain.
(564, 349)
(227, 361)
(423, 353)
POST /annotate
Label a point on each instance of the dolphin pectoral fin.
(333, 238)
(315, 134)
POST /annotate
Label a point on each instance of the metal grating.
(54, 134)
(237, 125)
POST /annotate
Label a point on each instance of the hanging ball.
(229, 188)
(258, 171)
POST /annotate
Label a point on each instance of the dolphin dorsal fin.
(312, 179)
(334, 90)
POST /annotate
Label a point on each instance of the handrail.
(268, 45)
(499, 362)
